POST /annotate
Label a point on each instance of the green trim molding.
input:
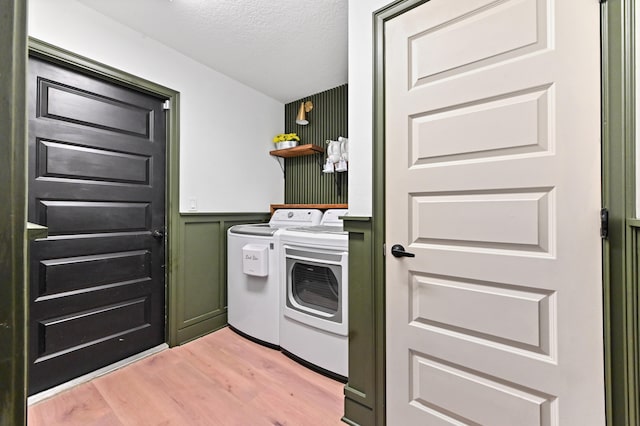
(621, 248)
(200, 297)
(13, 138)
(620, 251)
(35, 231)
(196, 243)
(365, 396)
(66, 58)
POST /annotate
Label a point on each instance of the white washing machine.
(253, 274)
(314, 300)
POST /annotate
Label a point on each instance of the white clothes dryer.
(253, 274)
(314, 299)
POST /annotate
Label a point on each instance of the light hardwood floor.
(220, 379)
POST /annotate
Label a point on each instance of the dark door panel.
(96, 180)
(66, 133)
(62, 189)
(78, 273)
(67, 327)
(91, 217)
(74, 106)
(67, 161)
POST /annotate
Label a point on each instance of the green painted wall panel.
(304, 181)
(201, 328)
(365, 350)
(356, 414)
(201, 265)
(361, 370)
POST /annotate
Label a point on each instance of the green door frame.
(13, 178)
(66, 58)
(13, 140)
(621, 251)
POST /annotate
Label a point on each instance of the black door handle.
(398, 251)
(157, 234)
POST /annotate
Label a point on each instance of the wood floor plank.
(220, 379)
(286, 391)
(82, 405)
(282, 371)
(199, 399)
(293, 403)
(136, 402)
(279, 367)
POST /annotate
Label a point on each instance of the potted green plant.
(286, 140)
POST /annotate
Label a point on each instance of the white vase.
(286, 144)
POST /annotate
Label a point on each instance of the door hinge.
(166, 105)
(604, 223)
(384, 249)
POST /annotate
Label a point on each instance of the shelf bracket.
(281, 164)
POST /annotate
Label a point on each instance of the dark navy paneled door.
(97, 181)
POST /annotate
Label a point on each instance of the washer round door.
(316, 288)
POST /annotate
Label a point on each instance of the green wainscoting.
(364, 392)
(13, 178)
(198, 297)
(304, 181)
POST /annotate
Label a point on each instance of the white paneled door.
(493, 182)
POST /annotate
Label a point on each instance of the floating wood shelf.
(275, 207)
(298, 151)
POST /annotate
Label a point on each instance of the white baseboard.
(94, 374)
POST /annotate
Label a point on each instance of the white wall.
(361, 104)
(225, 127)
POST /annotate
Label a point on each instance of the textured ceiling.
(286, 49)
